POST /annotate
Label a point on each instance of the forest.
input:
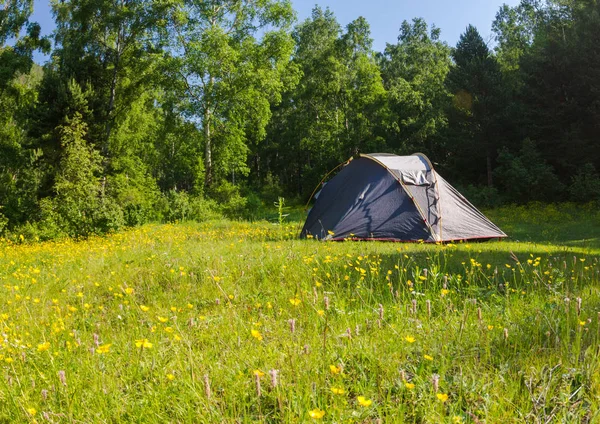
(168, 110)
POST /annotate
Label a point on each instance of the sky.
(384, 16)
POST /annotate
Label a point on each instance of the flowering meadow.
(229, 322)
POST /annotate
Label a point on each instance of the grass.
(237, 322)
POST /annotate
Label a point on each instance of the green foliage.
(525, 176)
(415, 71)
(80, 206)
(585, 186)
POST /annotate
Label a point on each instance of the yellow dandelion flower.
(443, 397)
(256, 334)
(445, 292)
(129, 290)
(162, 319)
(338, 390)
(258, 373)
(410, 339)
(295, 301)
(31, 411)
(363, 401)
(409, 386)
(321, 312)
(168, 329)
(316, 413)
(144, 308)
(428, 357)
(170, 377)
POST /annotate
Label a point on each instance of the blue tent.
(400, 198)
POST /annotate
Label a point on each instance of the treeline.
(173, 109)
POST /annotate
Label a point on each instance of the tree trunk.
(490, 181)
(208, 177)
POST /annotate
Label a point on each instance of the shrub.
(585, 186)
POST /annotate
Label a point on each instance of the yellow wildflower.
(143, 343)
(428, 357)
(410, 339)
(334, 369)
(409, 385)
(256, 334)
(295, 301)
(144, 308)
(443, 397)
(105, 348)
(338, 390)
(316, 413)
(43, 347)
(363, 401)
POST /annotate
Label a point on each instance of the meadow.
(240, 322)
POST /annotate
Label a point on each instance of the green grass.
(506, 341)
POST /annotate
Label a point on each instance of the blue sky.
(384, 16)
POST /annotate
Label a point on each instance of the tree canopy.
(160, 110)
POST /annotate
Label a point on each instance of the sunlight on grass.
(237, 322)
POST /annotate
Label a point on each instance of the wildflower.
(331, 233)
(321, 312)
(295, 301)
(409, 386)
(334, 369)
(338, 390)
(410, 339)
(457, 419)
(105, 348)
(363, 401)
(143, 343)
(428, 357)
(129, 290)
(162, 319)
(256, 334)
(170, 377)
(168, 329)
(445, 292)
(31, 411)
(43, 347)
(144, 308)
(258, 373)
(316, 413)
(443, 397)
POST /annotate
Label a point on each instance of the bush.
(585, 186)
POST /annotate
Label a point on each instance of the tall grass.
(234, 322)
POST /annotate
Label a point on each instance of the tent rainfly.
(398, 198)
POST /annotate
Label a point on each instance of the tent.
(398, 198)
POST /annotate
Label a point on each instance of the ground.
(242, 322)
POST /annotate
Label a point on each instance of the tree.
(229, 76)
(477, 114)
(335, 109)
(414, 71)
